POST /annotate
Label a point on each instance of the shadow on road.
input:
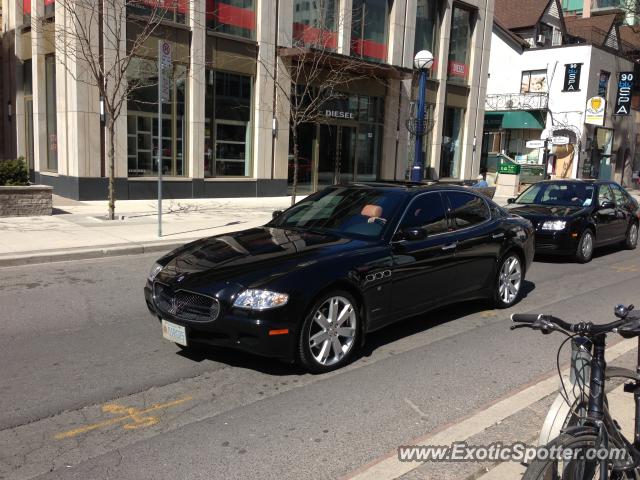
(561, 259)
(375, 340)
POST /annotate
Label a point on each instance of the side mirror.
(607, 204)
(413, 234)
(276, 213)
(511, 200)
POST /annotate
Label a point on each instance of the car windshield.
(566, 194)
(348, 211)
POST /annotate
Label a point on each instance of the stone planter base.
(25, 201)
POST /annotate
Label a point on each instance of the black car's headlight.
(253, 299)
(155, 270)
(554, 225)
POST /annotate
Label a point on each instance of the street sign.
(509, 168)
(164, 68)
(560, 140)
(535, 144)
(623, 99)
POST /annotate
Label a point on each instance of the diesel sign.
(339, 114)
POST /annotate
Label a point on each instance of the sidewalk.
(80, 230)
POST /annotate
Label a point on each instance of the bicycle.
(589, 426)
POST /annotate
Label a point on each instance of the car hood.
(250, 256)
(546, 211)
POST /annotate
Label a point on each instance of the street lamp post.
(423, 62)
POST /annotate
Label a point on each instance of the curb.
(89, 253)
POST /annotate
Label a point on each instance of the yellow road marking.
(137, 417)
(627, 268)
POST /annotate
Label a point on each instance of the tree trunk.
(112, 168)
(294, 132)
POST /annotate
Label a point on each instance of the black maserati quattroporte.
(310, 284)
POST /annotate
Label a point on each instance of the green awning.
(515, 120)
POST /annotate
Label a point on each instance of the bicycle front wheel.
(581, 465)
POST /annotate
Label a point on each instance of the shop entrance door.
(336, 155)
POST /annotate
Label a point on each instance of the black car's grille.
(184, 304)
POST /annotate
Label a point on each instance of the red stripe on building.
(314, 36)
(229, 15)
(172, 5)
(26, 7)
(371, 49)
(49, 2)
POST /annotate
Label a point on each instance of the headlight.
(155, 270)
(260, 299)
(554, 225)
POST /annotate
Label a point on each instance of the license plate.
(175, 333)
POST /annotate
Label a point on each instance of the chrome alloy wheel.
(633, 235)
(332, 331)
(510, 279)
(587, 245)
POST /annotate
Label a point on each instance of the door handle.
(451, 246)
(497, 236)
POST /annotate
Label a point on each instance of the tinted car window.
(558, 193)
(467, 209)
(604, 194)
(619, 195)
(360, 212)
(426, 212)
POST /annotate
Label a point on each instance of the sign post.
(164, 89)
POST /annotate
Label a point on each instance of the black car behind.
(345, 261)
(573, 217)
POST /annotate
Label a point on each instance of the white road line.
(389, 467)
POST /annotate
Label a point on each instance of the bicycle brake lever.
(522, 325)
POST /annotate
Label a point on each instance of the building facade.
(546, 93)
(226, 126)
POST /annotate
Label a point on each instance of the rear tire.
(631, 240)
(584, 251)
(508, 284)
(330, 334)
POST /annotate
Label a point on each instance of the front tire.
(508, 286)
(584, 251)
(330, 333)
(631, 240)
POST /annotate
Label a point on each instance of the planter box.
(25, 201)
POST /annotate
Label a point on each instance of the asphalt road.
(78, 348)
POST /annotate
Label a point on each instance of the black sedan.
(573, 217)
(343, 262)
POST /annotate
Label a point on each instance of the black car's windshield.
(566, 194)
(350, 211)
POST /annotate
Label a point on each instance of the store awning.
(514, 120)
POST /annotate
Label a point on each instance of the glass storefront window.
(227, 131)
(233, 17)
(142, 121)
(460, 45)
(451, 153)
(427, 26)
(170, 10)
(314, 23)
(370, 29)
(49, 7)
(52, 124)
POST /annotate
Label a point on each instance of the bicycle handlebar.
(548, 323)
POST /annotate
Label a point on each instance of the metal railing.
(503, 102)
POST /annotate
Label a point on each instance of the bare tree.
(95, 41)
(309, 76)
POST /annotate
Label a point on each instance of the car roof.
(408, 187)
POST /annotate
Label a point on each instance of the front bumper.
(238, 329)
(556, 243)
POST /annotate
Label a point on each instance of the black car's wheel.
(508, 286)
(330, 333)
(631, 240)
(584, 251)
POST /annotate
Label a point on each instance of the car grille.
(185, 305)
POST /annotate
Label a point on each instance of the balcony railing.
(503, 102)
